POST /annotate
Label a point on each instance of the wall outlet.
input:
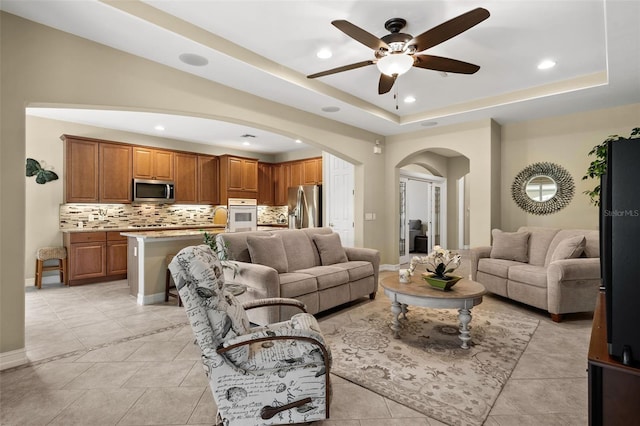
(369, 216)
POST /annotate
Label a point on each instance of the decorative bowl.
(439, 283)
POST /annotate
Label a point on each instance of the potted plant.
(598, 167)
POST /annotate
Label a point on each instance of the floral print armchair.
(268, 375)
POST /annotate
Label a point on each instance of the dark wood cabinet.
(297, 173)
(238, 177)
(266, 184)
(282, 180)
(208, 190)
(96, 256)
(186, 178)
(115, 173)
(81, 170)
(96, 171)
(150, 163)
(613, 386)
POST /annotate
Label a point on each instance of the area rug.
(426, 369)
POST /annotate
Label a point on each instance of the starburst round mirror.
(543, 188)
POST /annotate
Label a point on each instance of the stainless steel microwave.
(153, 191)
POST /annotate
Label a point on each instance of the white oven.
(243, 214)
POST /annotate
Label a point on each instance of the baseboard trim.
(150, 299)
(13, 358)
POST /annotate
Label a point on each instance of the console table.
(613, 387)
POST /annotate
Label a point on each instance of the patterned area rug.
(426, 369)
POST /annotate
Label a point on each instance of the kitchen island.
(146, 254)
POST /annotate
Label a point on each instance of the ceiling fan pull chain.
(395, 96)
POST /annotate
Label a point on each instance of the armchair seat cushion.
(529, 274)
(327, 276)
(293, 284)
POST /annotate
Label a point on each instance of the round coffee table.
(463, 296)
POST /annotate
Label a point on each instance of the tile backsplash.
(105, 216)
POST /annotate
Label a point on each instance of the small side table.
(420, 243)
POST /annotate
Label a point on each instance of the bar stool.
(50, 253)
(170, 287)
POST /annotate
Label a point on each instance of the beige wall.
(564, 140)
(51, 68)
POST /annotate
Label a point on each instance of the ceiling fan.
(397, 52)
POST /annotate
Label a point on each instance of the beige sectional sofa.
(309, 265)
(557, 270)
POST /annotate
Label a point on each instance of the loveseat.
(309, 265)
(557, 270)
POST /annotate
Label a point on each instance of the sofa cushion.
(569, 248)
(268, 251)
(497, 267)
(300, 250)
(592, 242)
(510, 245)
(330, 249)
(539, 242)
(237, 244)
(357, 269)
(529, 274)
(327, 276)
(293, 284)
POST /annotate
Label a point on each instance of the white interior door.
(339, 193)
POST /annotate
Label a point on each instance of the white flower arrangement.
(439, 262)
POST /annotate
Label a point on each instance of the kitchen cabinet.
(95, 256)
(96, 171)
(297, 173)
(238, 177)
(186, 178)
(266, 184)
(208, 182)
(312, 171)
(150, 163)
(282, 180)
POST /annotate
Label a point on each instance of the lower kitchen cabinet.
(95, 256)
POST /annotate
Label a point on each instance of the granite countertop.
(275, 224)
(132, 229)
(172, 233)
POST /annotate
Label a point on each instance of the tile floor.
(97, 358)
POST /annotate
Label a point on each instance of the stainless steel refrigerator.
(305, 206)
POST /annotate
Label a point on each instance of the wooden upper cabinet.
(115, 173)
(149, 163)
(282, 180)
(96, 171)
(208, 188)
(266, 184)
(238, 177)
(81, 170)
(297, 173)
(312, 171)
(186, 178)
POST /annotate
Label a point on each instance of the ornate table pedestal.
(463, 296)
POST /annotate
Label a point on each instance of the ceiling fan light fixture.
(395, 64)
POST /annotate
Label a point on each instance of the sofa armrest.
(573, 285)
(368, 255)
(478, 253)
(260, 280)
(573, 269)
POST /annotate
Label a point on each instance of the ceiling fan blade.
(386, 83)
(360, 35)
(448, 29)
(438, 63)
(342, 68)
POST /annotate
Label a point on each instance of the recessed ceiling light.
(409, 99)
(429, 123)
(546, 64)
(159, 128)
(324, 53)
(246, 143)
(193, 59)
(331, 109)
(298, 141)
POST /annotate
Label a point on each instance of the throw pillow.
(330, 248)
(569, 248)
(510, 245)
(268, 251)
